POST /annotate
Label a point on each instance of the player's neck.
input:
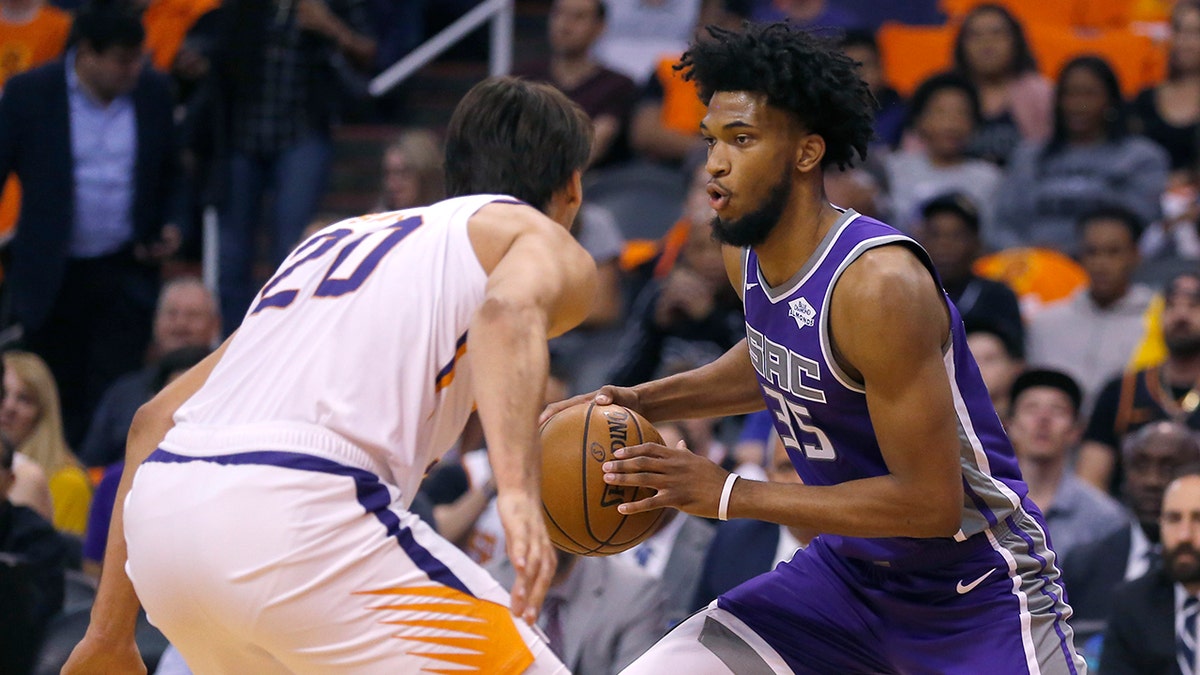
(570, 71)
(1182, 369)
(1043, 478)
(806, 220)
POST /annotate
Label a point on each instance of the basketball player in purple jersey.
(930, 558)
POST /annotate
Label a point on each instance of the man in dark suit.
(91, 139)
(1152, 455)
(1153, 626)
(743, 549)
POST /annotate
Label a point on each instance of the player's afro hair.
(796, 71)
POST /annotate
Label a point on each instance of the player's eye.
(742, 139)
(710, 141)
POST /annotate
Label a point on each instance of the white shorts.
(273, 562)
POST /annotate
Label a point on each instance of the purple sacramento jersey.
(987, 600)
(821, 413)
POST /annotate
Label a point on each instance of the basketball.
(579, 507)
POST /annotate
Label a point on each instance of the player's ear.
(809, 152)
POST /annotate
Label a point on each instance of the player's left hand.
(682, 479)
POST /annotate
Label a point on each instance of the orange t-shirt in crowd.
(1038, 276)
(682, 109)
(167, 23)
(24, 46)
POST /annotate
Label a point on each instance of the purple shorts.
(993, 603)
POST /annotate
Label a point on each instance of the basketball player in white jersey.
(266, 528)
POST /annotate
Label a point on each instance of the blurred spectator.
(743, 549)
(1092, 336)
(173, 364)
(1016, 101)
(1169, 114)
(674, 553)
(412, 171)
(167, 23)
(32, 558)
(30, 487)
(691, 315)
(1153, 626)
(1175, 236)
(399, 28)
(1169, 391)
(278, 85)
(666, 119)
(1044, 425)
(605, 95)
(949, 231)
(31, 33)
(30, 418)
(999, 360)
(943, 114)
(1153, 454)
(1089, 161)
(187, 316)
(815, 15)
(599, 615)
(640, 32)
(94, 213)
(861, 46)
(1039, 276)
(587, 352)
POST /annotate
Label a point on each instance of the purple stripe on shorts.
(372, 494)
(1046, 583)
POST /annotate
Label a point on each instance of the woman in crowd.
(31, 418)
(1090, 160)
(1169, 114)
(412, 171)
(1016, 101)
(943, 114)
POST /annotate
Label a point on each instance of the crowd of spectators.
(1061, 210)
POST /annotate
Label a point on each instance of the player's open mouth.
(718, 197)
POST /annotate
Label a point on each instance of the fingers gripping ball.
(580, 508)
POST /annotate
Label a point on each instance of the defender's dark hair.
(510, 136)
(939, 83)
(801, 73)
(1022, 56)
(107, 23)
(1127, 218)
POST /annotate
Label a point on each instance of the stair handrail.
(498, 12)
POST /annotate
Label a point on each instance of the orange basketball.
(580, 508)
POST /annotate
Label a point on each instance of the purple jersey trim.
(372, 494)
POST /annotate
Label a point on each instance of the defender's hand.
(530, 551)
(682, 479)
(605, 395)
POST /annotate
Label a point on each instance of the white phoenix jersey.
(356, 350)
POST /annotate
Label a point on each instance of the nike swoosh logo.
(749, 286)
(963, 589)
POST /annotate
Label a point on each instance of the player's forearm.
(115, 610)
(726, 386)
(508, 347)
(870, 507)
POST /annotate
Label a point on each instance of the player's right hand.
(102, 656)
(624, 396)
(530, 551)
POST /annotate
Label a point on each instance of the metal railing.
(498, 12)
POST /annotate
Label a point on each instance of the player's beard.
(1183, 563)
(753, 228)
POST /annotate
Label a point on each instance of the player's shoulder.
(885, 273)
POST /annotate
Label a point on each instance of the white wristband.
(723, 508)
